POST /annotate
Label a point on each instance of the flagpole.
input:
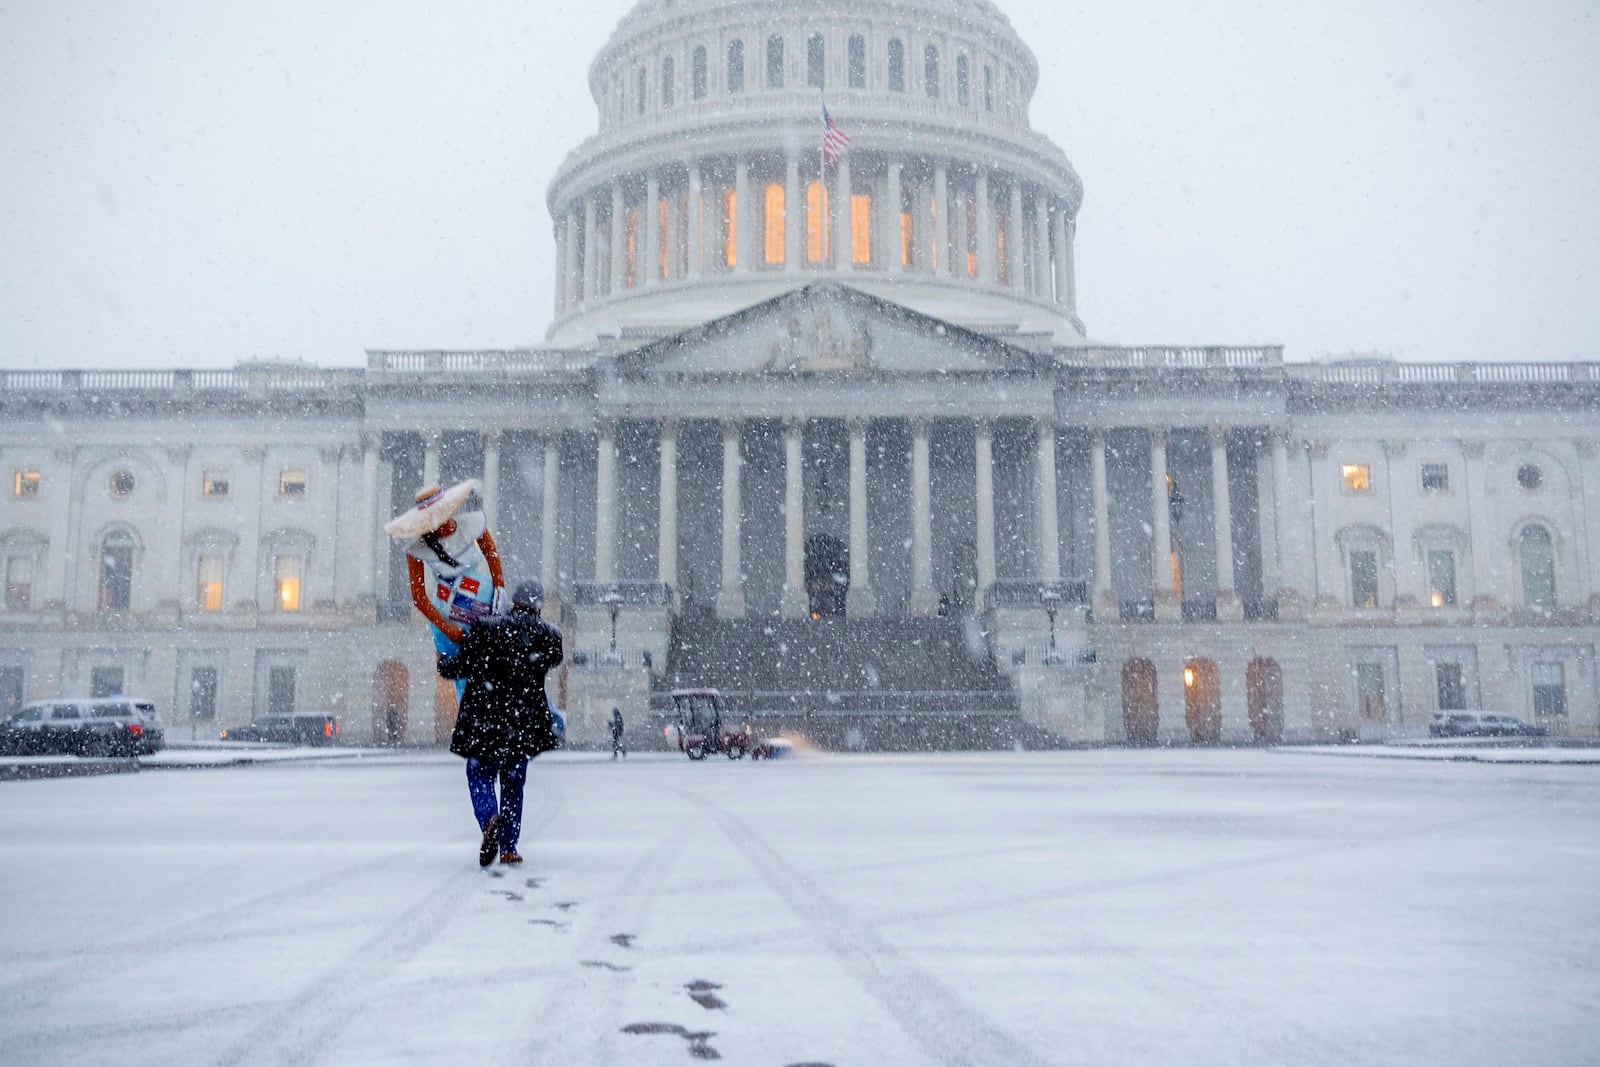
(826, 251)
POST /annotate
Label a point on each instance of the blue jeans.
(513, 776)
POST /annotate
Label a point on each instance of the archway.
(827, 576)
(391, 702)
(1202, 700)
(1263, 681)
(1140, 712)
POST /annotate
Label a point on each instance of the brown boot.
(491, 842)
(510, 856)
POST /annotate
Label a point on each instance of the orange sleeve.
(419, 592)
(491, 555)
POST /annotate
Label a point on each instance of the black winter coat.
(505, 714)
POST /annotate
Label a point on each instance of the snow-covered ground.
(1116, 907)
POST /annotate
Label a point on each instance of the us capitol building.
(828, 436)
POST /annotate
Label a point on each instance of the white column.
(650, 269)
(430, 458)
(1167, 608)
(1105, 600)
(794, 230)
(1049, 520)
(563, 238)
(795, 599)
(491, 477)
(1060, 260)
(923, 598)
(697, 204)
(570, 278)
(891, 218)
(549, 510)
(619, 229)
(1041, 245)
(730, 600)
(667, 523)
(1016, 234)
(986, 240)
(605, 522)
(859, 601)
(984, 482)
(841, 212)
(377, 515)
(1071, 229)
(1228, 605)
(591, 251)
(742, 216)
(673, 236)
(939, 232)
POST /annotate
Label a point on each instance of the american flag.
(834, 140)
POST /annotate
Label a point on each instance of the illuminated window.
(858, 62)
(630, 265)
(972, 237)
(772, 243)
(1357, 477)
(292, 482)
(19, 583)
(897, 66)
(662, 228)
(667, 87)
(860, 228)
(1441, 578)
(1004, 272)
(774, 62)
(730, 227)
(698, 74)
(25, 485)
(816, 223)
(208, 584)
(930, 72)
(963, 89)
(907, 239)
(736, 67)
(286, 575)
(816, 60)
(214, 483)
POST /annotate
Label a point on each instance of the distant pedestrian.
(505, 715)
(617, 747)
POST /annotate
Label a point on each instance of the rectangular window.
(639, 79)
(208, 584)
(280, 691)
(630, 245)
(116, 577)
(816, 223)
(1435, 478)
(972, 238)
(774, 62)
(105, 682)
(1002, 268)
(25, 484)
(1441, 578)
(988, 88)
(930, 72)
(1363, 577)
(287, 572)
(1357, 477)
(292, 482)
(858, 62)
(214, 483)
(861, 228)
(11, 679)
(816, 60)
(19, 583)
(963, 88)
(1369, 692)
(203, 693)
(897, 66)
(1549, 690)
(662, 231)
(907, 239)
(773, 235)
(698, 75)
(736, 67)
(730, 228)
(1452, 689)
(667, 86)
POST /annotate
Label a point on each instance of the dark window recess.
(105, 682)
(858, 62)
(897, 66)
(1435, 478)
(1364, 578)
(203, 693)
(1452, 690)
(736, 67)
(280, 691)
(816, 61)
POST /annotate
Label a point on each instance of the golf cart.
(700, 729)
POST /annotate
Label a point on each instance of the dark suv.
(300, 729)
(84, 727)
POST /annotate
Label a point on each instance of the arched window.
(858, 62)
(1538, 567)
(736, 67)
(116, 571)
(930, 71)
(988, 87)
(897, 65)
(816, 60)
(699, 74)
(963, 86)
(668, 71)
(774, 62)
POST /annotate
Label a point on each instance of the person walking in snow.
(505, 715)
(617, 747)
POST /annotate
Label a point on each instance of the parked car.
(1482, 724)
(85, 726)
(299, 729)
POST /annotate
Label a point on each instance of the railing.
(1387, 373)
(630, 593)
(838, 703)
(1137, 610)
(272, 378)
(1021, 592)
(519, 361)
(1175, 357)
(1200, 609)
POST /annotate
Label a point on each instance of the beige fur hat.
(435, 507)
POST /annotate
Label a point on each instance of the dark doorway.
(827, 576)
(1264, 695)
(964, 577)
(391, 688)
(1140, 717)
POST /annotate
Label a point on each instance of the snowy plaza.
(1099, 907)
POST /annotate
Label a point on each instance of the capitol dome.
(700, 194)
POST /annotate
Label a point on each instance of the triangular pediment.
(825, 330)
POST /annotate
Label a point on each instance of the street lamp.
(613, 602)
(1051, 599)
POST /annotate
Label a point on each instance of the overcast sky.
(196, 182)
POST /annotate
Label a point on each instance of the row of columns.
(940, 240)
